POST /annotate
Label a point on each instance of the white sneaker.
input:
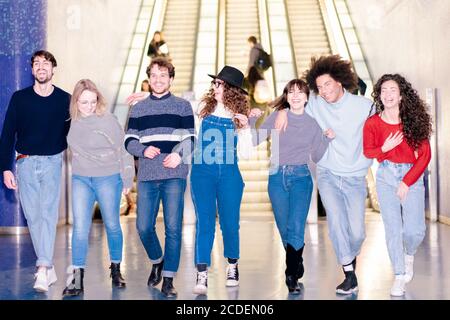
(409, 268)
(232, 275)
(51, 276)
(398, 288)
(201, 286)
(41, 283)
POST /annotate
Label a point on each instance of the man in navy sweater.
(36, 125)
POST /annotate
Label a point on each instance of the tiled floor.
(261, 265)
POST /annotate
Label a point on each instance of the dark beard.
(46, 80)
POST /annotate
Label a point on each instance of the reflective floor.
(261, 265)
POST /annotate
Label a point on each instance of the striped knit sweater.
(166, 123)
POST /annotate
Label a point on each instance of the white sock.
(348, 267)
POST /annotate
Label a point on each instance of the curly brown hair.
(161, 62)
(281, 102)
(338, 69)
(234, 99)
(416, 122)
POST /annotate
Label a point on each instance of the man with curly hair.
(398, 137)
(341, 171)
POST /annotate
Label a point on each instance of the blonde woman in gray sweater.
(101, 171)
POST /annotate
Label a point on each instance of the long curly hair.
(281, 102)
(416, 122)
(234, 99)
(338, 69)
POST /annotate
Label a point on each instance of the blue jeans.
(106, 191)
(39, 181)
(290, 190)
(216, 188)
(404, 222)
(150, 193)
(344, 199)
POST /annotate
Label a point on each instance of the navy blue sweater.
(40, 125)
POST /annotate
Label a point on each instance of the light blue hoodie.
(344, 156)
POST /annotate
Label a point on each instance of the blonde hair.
(82, 85)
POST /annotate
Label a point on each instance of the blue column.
(23, 25)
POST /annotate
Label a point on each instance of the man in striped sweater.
(161, 134)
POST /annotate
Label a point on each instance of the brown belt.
(21, 156)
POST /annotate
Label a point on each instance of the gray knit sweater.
(302, 140)
(96, 144)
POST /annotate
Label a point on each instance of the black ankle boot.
(291, 270)
(155, 275)
(292, 284)
(75, 287)
(301, 268)
(117, 280)
(167, 288)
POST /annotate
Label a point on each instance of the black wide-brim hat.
(232, 76)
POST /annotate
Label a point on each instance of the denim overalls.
(216, 186)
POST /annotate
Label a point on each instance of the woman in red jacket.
(397, 135)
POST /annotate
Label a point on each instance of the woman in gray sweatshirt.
(290, 183)
(101, 171)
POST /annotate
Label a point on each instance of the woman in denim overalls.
(397, 136)
(216, 182)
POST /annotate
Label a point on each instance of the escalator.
(308, 33)
(180, 31)
(288, 27)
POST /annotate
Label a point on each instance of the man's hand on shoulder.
(136, 97)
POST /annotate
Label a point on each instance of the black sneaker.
(232, 275)
(349, 285)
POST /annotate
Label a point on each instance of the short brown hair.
(47, 55)
(161, 62)
(252, 39)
